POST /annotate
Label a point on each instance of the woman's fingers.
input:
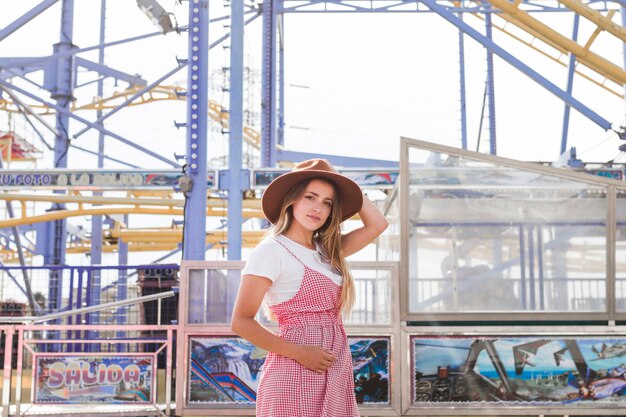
(316, 358)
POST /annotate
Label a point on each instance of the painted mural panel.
(519, 370)
(80, 379)
(227, 370)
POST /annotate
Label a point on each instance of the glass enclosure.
(487, 234)
(620, 251)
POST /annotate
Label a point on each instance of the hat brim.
(351, 197)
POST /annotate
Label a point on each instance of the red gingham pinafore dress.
(311, 317)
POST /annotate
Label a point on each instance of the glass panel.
(211, 295)
(620, 251)
(487, 237)
(373, 297)
(388, 247)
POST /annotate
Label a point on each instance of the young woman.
(301, 273)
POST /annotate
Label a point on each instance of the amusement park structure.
(66, 71)
(87, 165)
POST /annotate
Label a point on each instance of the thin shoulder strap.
(289, 251)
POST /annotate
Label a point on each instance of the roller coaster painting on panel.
(228, 370)
(522, 371)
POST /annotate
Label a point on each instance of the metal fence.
(41, 290)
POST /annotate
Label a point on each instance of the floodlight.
(157, 14)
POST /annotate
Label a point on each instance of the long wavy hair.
(329, 236)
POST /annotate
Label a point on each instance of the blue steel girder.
(235, 131)
(26, 17)
(518, 64)
(268, 84)
(134, 97)
(88, 123)
(18, 67)
(343, 161)
(273, 10)
(37, 62)
(407, 6)
(194, 229)
(132, 80)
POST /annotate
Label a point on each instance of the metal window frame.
(186, 331)
(612, 187)
(482, 409)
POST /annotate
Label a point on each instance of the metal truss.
(417, 6)
(20, 91)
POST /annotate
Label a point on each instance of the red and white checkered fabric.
(311, 317)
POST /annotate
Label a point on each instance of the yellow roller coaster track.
(584, 55)
(109, 205)
(158, 93)
(614, 88)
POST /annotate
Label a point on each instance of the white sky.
(354, 84)
(369, 79)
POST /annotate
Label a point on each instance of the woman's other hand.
(315, 358)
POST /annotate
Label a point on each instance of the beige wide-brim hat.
(350, 195)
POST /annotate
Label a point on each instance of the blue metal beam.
(26, 17)
(60, 77)
(462, 91)
(97, 221)
(280, 131)
(132, 98)
(134, 80)
(119, 161)
(571, 67)
(411, 6)
(491, 88)
(194, 236)
(586, 111)
(235, 131)
(344, 161)
(268, 85)
(623, 14)
(88, 123)
(38, 60)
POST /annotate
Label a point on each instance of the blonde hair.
(329, 236)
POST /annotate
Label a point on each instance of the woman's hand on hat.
(315, 358)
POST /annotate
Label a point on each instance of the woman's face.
(312, 208)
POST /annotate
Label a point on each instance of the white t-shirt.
(270, 260)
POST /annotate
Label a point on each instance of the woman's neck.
(302, 237)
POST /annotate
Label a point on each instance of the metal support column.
(268, 86)
(62, 93)
(96, 221)
(122, 285)
(490, 86)
(462, 87)
(235, 148)
(281, 80)
(194, 240)
(623, 13)
(235, 124)
(571, 67)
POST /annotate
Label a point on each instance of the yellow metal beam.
(250, 136)
(618, 93)
(67, 199)
(603, 22)
(96, 200)
(101, 211)
(585, 56)
(139, 235)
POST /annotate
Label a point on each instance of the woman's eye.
(308, 197)
(328, 204)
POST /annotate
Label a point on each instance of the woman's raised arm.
(374, 223)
